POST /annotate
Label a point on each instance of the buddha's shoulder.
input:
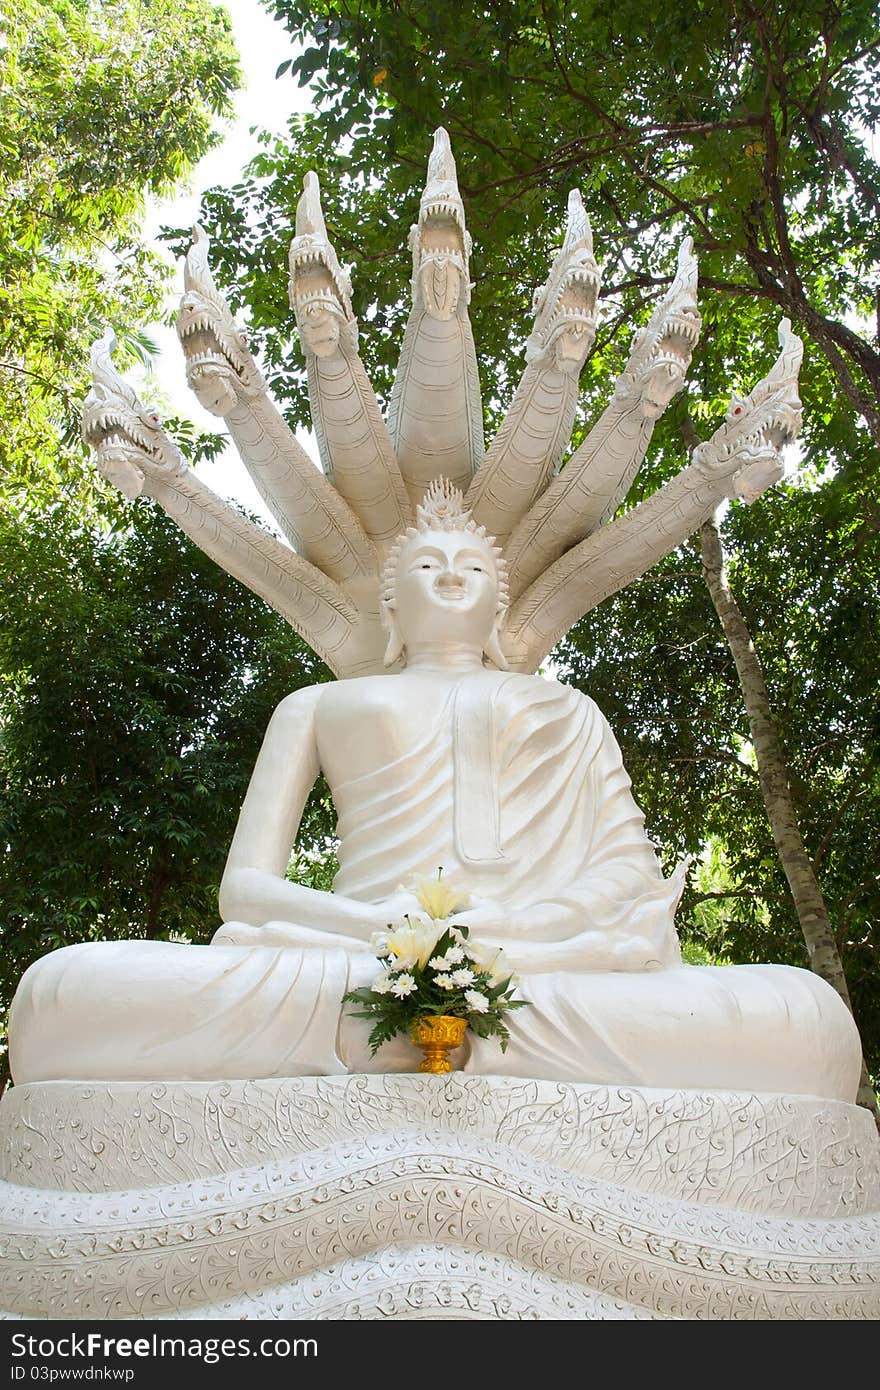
(344, 696)
(537, 690)
(361, 693)
(302, 703)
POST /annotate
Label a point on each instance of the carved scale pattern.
(390, 1196)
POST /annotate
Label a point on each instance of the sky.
(262, 44)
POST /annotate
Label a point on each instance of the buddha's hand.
(484, 916)
(289, 935)
(392, 910)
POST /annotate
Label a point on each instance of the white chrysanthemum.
(437, 963)
(476, 1001)
(463, 977)
(403, 985)
(382, 983)
(444, 981)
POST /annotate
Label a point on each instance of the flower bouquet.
(434, 983)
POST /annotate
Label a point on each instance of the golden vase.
(436, 1036)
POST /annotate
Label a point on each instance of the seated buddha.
(513, 784)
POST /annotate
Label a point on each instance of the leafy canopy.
(101, 104)
(137, 682)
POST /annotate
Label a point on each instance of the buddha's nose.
(448, 579)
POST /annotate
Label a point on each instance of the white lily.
(440, 897)
(490, 960)
(413, 942)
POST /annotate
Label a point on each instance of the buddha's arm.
(254, 889)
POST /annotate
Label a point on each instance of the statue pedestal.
(407, 1196)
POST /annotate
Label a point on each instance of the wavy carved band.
(409, 1196)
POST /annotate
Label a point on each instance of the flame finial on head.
(442, 508)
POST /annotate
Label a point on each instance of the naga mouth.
(204, 350)
(115, 441)
(107, 432)
(442, 267)
(571, 322)
(775, 422)
(678, 336)
(680, 332)
(318, 300)
(576, 302)
(772, 435)
(313, 279)
(755, 450)
(442, 212)
(441, 235)
(668, 365)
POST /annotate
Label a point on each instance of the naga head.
(128, 442)
(661, 352)
(566, 305)
(758, 426)
(320, 290)
(219, 365)
(440, 242)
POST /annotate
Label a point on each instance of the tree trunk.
(773, 776)
(156, 885)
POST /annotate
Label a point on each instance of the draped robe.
(518, 789)
(519, 792)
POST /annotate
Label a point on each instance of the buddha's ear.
(492, 649)
(394, 650)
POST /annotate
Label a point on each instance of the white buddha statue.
(515, 786)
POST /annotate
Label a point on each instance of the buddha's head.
(444, 582)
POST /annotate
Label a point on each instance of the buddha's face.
(446, 589)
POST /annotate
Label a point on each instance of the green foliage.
(137, 683)
(313, 862)
(101, 104)
(745, 128)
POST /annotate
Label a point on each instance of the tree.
(100, 105)
(742, 124)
